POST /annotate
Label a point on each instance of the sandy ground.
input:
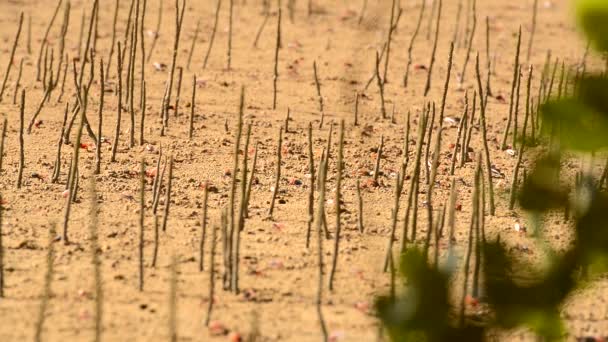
(278, 273)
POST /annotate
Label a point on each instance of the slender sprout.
(18, 82)
(57, 166)
(29, 34)
(427, 87)
(388, 260)
(460, 129)
(470, 44)
(2, 138)
(230, 11)
(21, 143)
(260, 30)
(356, 123)
(361, 13)
(99, 120)
(319, 96)
(142, 208)
(360, 225)
(180, 75)
(48, 280)
(201, 266)
(411, 46)
(514, 181)
(311, 192)
(485, 138)
(192, 107)
(168, 194)
(95, 260)
(533, 29)
(503, 145)
(275, 190)
(113, 42)
(380, 83)
(378, 158)
(241, 215)
(489, 59)
(211, 275)
(275, 77)
(119, 108)
(250, 183)
(194, 37)
(388, 40)
(173, 300)
(338, 199)
(319, 224)
(447, 82)
(212, 39)
(45, 37)
(12, 57)
(457, 24)
(156, 241)
(516, 109)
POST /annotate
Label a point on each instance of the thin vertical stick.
(319, 224)
(411, 46)
(45, 38)
(212, 39)
(533, 30)
(230, 11)
(211, 274)
(157, 29)
(361, 13)
(57, 166)
(180, 75)
(2, 280)
(142, 208)
(48, 280)
(100, 120)
(179, 19)
(21, 144)
(380, 83)
(457, 24)
(516, 110)
(489, 59)
(388, 260)
(192, 107)
(260, 30)
(360, 207)
(503, 145)
(447, 83)
(168, 194)
(11, 58)
(173, 300)
(338, 199)
(156, 242)
(413, 192)
(119, 108)
(275, 77)
(485, 137)
(378, 158)
(319, 96)
(2, 138)
(275, 190)
(113, 42)
(356, 123)
(142, 123)
(388, 40)
(311, 192)
(460, 128)
(521, 146)
(470, 45)
(29, 34)
(196, 31)
(241, 215)
(430, 73)
(428, 146)
(250, 183)
(96, 261)
(18, 82)
(201, 260)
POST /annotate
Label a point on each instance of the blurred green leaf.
(534, 303)
(541, 190)
(580, 126)
(592, 17)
